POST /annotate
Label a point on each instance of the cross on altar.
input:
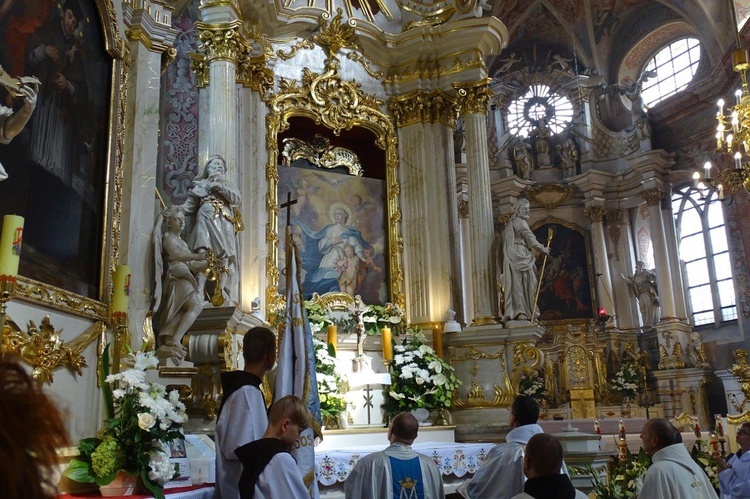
(288, 205)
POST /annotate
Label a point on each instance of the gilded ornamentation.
(653, 196)
(741, 370)
(222, 41)
(319, 151)
(526, 360)
(435, 69)
(44, 350)
(253, 72)
(473, 97)
(422, 107)
(301, 44)
(674, 361)
(739, 418)
(476, 398)
(199, 66)
(549, 196)
(167, 57)
(578, 367)
(356, 56)
(50, 296)
(336, 35)
(334, 301)
(463, 209)
(339, 105)
(595, 213)
(475, 356)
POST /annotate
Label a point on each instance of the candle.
(622, 444)
(437, 341)
(738, 160)
(10, 245)
(720, 191)
(719, 428)
(714, 443)
(121, 290)
(333, 338)
(720, 103)
(697, 430)
(385, 337)
(597, 428)
(622, 429)
(707, 167)
(696, 179)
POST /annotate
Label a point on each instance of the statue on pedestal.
(643, 284)
(523, 160)
(518, 268)
(568, 157)
(541, 145)
(178, 290)
(214, 202)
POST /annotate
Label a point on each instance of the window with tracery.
(539, 101)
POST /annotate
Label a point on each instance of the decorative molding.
(652, 196)
(595, 214)
(199, 66)
(222, 41)
(476, 398)
(422, 107)
(319, 151)
(60, 299)
(549, 196)
(475, 356)
(473, 98)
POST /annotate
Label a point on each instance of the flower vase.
(123, 485)
(421, 414)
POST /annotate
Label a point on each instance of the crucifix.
(288, 205)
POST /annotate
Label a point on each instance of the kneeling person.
(541, 465)
(268, 470)
(397, 471)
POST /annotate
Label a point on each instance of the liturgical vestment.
(674, 475)
(397, 471)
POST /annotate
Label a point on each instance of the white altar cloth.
(457, 459)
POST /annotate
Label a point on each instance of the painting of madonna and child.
(339, 226)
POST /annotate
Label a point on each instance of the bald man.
(541, 465)
(673, 474)
(397, 471)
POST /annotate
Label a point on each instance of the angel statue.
(214, 202)
(178, 289)
(632, 90)
(643, 284)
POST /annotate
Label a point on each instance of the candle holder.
(120, 333)
(387, 363)
(7, 289)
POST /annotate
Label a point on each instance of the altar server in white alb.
(673, 474)
(501, 474)
(397, 471)
(242, 414)
(268, 470)
(734, 476)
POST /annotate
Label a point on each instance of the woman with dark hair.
(31, 432)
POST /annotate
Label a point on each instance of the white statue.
(519, 276)
(568, 157)
(643, 284)
(178, 290)
(215, 202)
(542, 133)
(11, 123)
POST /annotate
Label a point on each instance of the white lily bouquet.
(627, 381)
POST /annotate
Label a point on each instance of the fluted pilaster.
(601, 262)
(653, 198)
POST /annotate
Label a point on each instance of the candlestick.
(121, 290)
(385, 338)
(697, 430)
(10, 245)
(719, 426)
(622, 445)
(333, 339)
(597, 428)
(714, 444)
(437, 341)
(622, 429)
(121, 337)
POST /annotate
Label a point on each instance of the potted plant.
(419, 379)
(141, 418)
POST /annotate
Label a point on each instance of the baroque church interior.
(416, 126)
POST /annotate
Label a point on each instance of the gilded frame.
(311, 98)
(49, 296)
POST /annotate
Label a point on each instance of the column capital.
(422, 107)
(473, 98)
(595, 213)
(613, 217)
(653, 196)
(222, 41)
(253, 72)
(150, 23)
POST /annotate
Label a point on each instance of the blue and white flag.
(295, 374)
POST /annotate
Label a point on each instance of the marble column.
(473, 100)
(467, 285)
(680, 302)
(602, 275)
(150, 35)
(653, 198)
(622, 260)
(427, 176)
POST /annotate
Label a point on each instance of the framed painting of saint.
(566, 290)
(57, 166)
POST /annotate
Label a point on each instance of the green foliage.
(625, 477)
(702, 456)
(331, 385)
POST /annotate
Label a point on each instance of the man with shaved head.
(541, 465)
(397, 471)
(673, 474)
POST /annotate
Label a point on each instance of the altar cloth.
(202, 491)
(457, 459)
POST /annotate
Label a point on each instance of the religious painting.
(57, 165)
(339, 226)
(566, 289)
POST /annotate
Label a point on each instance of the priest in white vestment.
(500, 475)
(397, 471)
(673, 474)
(734, 476)
(542, 466)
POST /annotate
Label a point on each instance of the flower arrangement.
(532, 386)
(375, 317)
(625, 477)
(703, 458)
(419, 378)
(330, 382)
(627, 381)
(141, 419)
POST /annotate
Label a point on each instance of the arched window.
(539, 102)
(704, 253)
(675, 67)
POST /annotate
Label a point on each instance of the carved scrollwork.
(321, 153)
(653, 196)
(60, 299)
(423, 107)
(473, 97)
(223, 41)
(595, 214)
(475, 356)
(741, 370)
(476, 397)
(549, 196)
(675, 360)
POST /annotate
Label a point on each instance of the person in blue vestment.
(398, 471)
(734, 475)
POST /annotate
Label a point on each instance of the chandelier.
(732, 138)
